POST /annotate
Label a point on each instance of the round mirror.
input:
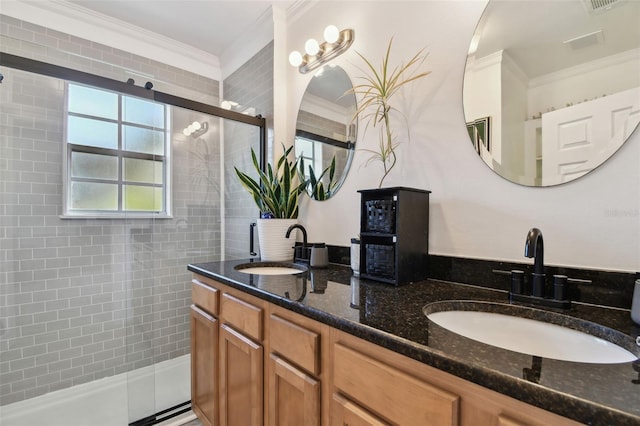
(325, 134)
(552, 89)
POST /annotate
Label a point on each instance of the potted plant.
(275, 193)
(376, 106)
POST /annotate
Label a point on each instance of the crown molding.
(72, 19)
(298, 8)
(245, 47)
(262, 33)
(629, 56)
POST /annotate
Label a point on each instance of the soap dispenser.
(635, 303)
(319, 256)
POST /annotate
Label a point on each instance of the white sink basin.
(532, 337)
(270, 268)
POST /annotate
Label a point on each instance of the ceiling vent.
(586, 40)
(598, 6)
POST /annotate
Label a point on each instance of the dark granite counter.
(392, 317)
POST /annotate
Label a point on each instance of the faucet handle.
(517, 281)
(560, 287)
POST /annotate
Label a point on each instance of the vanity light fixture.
(316, 55)
(195, 129)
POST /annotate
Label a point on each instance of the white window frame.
(315, 159)
(121, 154)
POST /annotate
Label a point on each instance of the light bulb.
(196, 125)
(311, 47)
(186, 132)
(295, 58)
(331, 34)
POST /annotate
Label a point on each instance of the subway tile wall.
(332, 129)
(82, 299)
(54, 47)
(251, 86)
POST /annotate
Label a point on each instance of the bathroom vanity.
(325, 348)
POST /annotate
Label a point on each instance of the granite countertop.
(392, 317)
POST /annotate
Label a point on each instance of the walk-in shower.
(94, 305)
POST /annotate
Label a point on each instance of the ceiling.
(535, 33)
(527, 30)
(209, 25)
(531, 32)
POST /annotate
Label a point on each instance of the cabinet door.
(294, 397)
(241, 360)
(346, 413)
(204, 365)
(397, 396)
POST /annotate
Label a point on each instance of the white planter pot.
(274, 246)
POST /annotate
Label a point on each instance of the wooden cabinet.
(347, 413)
(204, 378)
(241, 375)
(384, 387)
(295, 390)
(394, 395)
(227, 356)
(255, 363)
(241, 361)
(204, 352)
(294, 396)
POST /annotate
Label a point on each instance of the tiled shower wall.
(82, 299)
(332, 129)
(250, 86)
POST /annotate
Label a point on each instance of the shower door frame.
(43, 68)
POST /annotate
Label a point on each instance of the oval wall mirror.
(552, 89)
(325, 135)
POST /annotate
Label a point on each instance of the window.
(117, 161)
(311, 152)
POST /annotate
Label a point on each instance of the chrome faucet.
(534, 248)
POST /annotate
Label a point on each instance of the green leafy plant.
(375, 107)
(277, 190)
(316, 187)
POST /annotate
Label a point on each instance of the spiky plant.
(277, 190)
(375, 107)
(317, 188)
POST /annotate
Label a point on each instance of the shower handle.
(251, 248)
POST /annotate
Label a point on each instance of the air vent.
(595, 6)
(585, 40)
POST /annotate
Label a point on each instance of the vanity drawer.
(242, 316)
(295, 343)
(205, 296)
(395, 395)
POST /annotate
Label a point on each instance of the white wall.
(593, 222)
(591, 80)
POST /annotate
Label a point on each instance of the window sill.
(116, 216)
